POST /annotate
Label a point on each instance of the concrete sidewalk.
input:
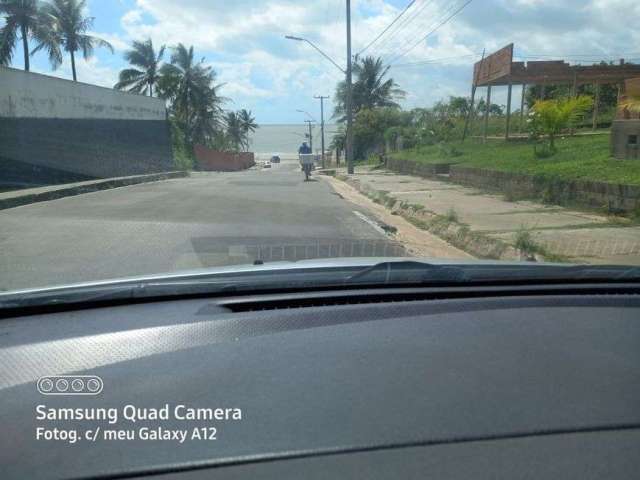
(488, 225)
(16, 198)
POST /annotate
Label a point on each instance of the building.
(625, 131)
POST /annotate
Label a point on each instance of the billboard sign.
(493, 67)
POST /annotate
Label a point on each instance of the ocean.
(286, 139)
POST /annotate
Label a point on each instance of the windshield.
(158, 137)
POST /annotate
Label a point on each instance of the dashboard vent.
(333, 298)
(320, 301)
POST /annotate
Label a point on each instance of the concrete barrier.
(44, 194)
(217, 161)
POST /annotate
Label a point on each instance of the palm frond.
(8, 39)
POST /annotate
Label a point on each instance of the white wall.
(31, 95)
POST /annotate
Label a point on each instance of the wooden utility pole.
(473, 98)
(508, 126)
(309, 122)
(322, 99)
(596, 105)
(487, 107)
(522, 100)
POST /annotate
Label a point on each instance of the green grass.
(585, 158)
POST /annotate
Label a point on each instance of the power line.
(447, 20)
(404, 23)
(388, 27)
(439, 16)
(434, 61)
(421, 27)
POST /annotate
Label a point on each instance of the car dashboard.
(395, 383)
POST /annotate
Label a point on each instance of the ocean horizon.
(283, 139)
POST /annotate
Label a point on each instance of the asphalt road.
(209, 219)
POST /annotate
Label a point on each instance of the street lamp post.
(347, 72)
(349, 152)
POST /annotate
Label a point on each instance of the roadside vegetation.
(547, 140)
(581, 157)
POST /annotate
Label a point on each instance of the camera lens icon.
(77, 385)
(62, 385)
(45, 385)
(70, 385)
(94, 385)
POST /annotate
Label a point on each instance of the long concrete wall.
(52, 130)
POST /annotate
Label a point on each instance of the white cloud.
(243, 41)
(90, 71)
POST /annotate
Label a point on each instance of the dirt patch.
(417, 242)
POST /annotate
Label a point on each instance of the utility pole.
(321, 98)
(309, 122)
(349, 152)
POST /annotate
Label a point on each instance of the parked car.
(275, 159)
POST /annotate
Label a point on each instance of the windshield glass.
(158, 137)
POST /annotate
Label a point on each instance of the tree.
(248, 123)
(69, 33)
(23, 17)
(145, 78)
(494, 109)
(189, 87)
(459, 106)
(550, 117)
(371, 88)
(235, 130)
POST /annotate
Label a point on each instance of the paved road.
(209, 219)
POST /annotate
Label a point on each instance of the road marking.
(374, 224)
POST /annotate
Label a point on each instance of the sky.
(243, 40)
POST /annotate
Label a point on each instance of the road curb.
(85, 187)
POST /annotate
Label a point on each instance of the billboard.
(493, 67)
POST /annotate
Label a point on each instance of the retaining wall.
(56, 125)
(590, 194)
(409, 167)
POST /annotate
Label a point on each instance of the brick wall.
(214, 160)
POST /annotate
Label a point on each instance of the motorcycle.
(307, 162)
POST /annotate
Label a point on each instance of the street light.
(299, 39)
(307, 114)
(347, 73)
(309, 123)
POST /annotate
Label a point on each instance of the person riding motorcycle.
(306, 167)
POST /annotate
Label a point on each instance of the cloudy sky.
(244, 41)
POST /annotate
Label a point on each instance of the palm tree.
(22, 17)
(144, 79)
(235, 130)
(552, 116)
(188, 85)
(370, 89)
(69, 32)
(249, 125)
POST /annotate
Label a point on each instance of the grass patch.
(452, 215)
(577, 158)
